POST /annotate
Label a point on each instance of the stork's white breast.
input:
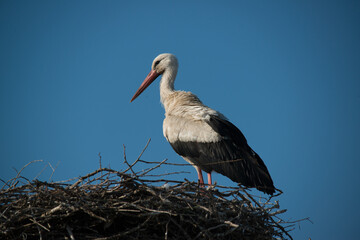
(183, 129)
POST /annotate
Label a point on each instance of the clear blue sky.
(287, 73)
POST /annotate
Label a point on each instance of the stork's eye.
(156, 63)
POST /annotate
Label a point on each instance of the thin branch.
(53, 169)
(19, 172)
(143, 174)
(68, 229)
(129, 166)
(138, 159)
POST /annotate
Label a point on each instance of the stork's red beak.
(148, 80)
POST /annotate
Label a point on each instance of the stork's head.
(162, 63)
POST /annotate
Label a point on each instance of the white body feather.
(186, 119)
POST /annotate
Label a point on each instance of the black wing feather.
(231, 156)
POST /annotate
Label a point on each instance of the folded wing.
(215, 144)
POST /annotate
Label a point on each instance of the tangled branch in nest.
(110, 204)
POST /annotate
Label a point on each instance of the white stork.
(202, 136)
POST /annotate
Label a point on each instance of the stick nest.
(130, 204)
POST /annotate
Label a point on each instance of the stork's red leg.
(200, 176)
(209, 179)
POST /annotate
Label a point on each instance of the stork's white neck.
(167, 83)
